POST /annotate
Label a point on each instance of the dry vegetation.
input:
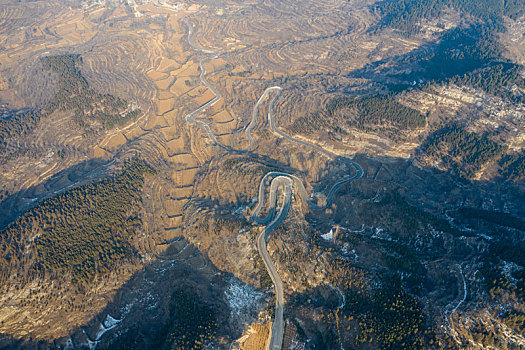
(189, 217)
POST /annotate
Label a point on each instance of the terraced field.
(148, 57)
(235, 102)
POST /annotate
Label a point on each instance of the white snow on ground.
(380, 233)
(296, 345)
(108, 324)
(91, 344)
(328, 236)
(464, 291)
(508, 269)
(488, 238)
(241, 297)
(341, 294)
(110, 321)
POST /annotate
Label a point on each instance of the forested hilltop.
(79, 234)
(75, 94)
(174, 174)
(408, 15)
(469, 57)
(460, 100)
(92, 111)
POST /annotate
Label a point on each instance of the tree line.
(78, 234)
(461, 151)
(408, 15)
(75, 94)
(466, 152)
(364, 113)
(378, 110)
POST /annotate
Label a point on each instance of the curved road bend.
(277, 327)
(288, 180)
(190, 118)
(279, 178)
(277, 332)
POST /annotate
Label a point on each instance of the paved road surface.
(277, 333)
(277, 180)
(190, 118)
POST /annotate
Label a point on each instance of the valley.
(260, 175)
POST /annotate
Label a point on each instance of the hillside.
(268, 174)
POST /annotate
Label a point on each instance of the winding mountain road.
(271, 221)
(190, 118)
(276, 338)
(279, 182)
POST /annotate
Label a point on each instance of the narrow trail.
(450, 315)
(464, 291)
(279, 181)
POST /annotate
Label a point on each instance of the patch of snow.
(361, 231)
(241, 297)
(90, 343)
(464, 291)
(126, 309)
(380, 233)
(488, 238)
(110, 322)
(103, 328)
(341, 294)
(296, 345)
(239, 210)
(508, 269)
(328, 236)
